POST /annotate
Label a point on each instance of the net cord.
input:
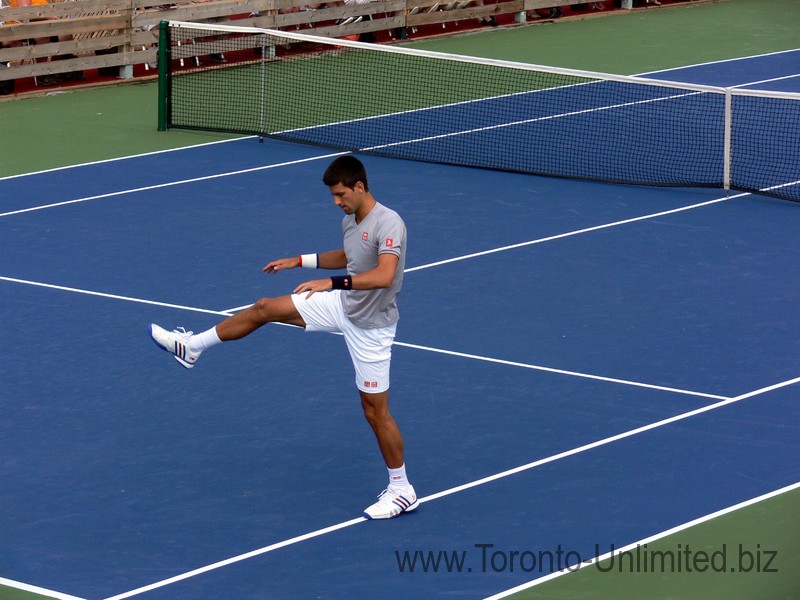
(300, 37)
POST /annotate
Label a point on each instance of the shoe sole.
(183, 363)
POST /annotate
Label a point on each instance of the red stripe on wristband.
(309, 261)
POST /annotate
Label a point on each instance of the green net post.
(163, 73)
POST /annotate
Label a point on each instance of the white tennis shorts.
(370, 349)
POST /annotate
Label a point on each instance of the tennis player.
(362, 305)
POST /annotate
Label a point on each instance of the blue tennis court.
(578, 366)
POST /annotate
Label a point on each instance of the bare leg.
(390, 441)
(266, 310)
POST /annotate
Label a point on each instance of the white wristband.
(309, 261)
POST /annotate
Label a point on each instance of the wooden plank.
(465, 14)
(62, 27)
(56, 49)
(538, 4)
(375, 9)
(63, 10)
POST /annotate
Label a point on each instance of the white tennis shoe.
(176, 343)
(391, 503)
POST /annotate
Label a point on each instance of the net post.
(163, 74)
(726, 169)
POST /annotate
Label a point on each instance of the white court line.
(241, 557)
(512, 363)
(128, 157)
(586, 230)
(505, 125)
(575, 232)
(718, 62)
(25, 587)
(454, 490)
(611, 439)
(64, 288)
(227, 313)
(645, 541)
(785, 77)
(171, 183)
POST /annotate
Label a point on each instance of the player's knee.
(375, 412)
(369, 415)
(265, 309)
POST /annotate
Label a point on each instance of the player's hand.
(283, 263)
(316, 285)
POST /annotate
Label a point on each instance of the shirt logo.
(389, 242)
(365, 236)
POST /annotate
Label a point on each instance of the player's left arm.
(381, 276)
(378, 278)
(389, 239)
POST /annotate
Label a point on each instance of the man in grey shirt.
(361, 305)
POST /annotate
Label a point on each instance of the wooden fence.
(74, 35)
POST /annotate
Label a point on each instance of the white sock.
(204, 341)
(398, 479)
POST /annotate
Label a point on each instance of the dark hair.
(348, 171)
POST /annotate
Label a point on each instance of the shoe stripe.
(402, 502)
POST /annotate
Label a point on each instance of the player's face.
(348, 199)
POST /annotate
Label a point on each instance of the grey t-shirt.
(381, 231)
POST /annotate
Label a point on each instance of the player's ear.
(359, 187)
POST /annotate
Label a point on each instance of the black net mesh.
(489, 114)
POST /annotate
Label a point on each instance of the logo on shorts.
(365, 236)
(389, 242)
(371, 384)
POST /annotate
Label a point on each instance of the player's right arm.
(332, 259)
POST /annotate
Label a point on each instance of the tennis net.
(429, 106)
